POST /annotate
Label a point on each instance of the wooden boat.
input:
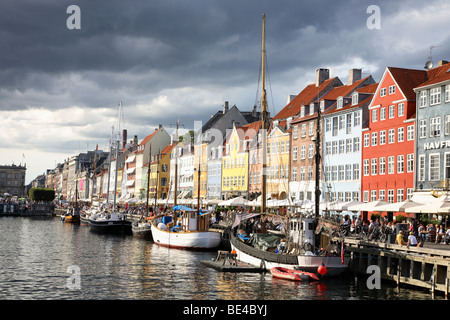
(293, 275)
(305, 255)
(114, 222)
(191, 233)
(142, 229)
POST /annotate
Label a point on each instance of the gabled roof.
(407, 80)
(309, 94)
(371, 88)
(437, 75)
(168, 148)
(344, 91)
(147, 138)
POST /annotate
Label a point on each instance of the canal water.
(47, 259)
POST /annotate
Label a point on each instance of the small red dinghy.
(291, 274)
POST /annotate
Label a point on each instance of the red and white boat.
(292, 274)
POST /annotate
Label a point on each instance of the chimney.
(225, 107)
(135, 141)
(353, 76)
(442, 62)
(124, 138)
(321, 76)
(254, 112)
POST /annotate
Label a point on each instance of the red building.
(388, 139)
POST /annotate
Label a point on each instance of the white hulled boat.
(188, 231)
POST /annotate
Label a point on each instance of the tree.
(42, 194)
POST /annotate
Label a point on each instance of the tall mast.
(317, 164)
(115, 178)
(264, 118)
(176, 165)
(157, 180)
(93, 175)
(148, 174)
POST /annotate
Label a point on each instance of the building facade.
(433, 131)
(12, 180)
(388, 149)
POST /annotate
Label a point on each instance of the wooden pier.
(426, 267)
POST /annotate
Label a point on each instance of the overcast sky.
(168, 60)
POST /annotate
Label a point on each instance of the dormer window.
(311, 109)
(302, 111)
(340, 102)
(355, 98)
(322, 105)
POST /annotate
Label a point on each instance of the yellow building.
(235, 160)
(160, 174)
(278, 159)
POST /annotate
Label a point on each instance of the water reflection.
(37, 252)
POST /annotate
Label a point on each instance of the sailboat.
(111, 222)
(301, 231)
(73, 213)
(186, 228)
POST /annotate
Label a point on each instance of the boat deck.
(226, 262)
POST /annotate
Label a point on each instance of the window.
(366, 140)
(400, 196)
(421, 173)
(356, 144)
(434, 167)
(374, 115)
(447, 124)
(356, 171)
(373, 195)
(410, 132)
(401, 109)
(310, 173)
(391, 111)
(310, 151)
(366, 167)
(349, 123)
(382, 137)
(423, 99)
(302, 174)
(303, 130)
(382, 195)
(423, 128)
(447, 93)
(447, 165)
(400, 163)
(334, 173)
(391, 136)
(410, 162)
(435, 127)
(374, 138)
(335, 126)
(391, 89)
(390, 165)
(391, 196)
(311, 128)
(341, 122)
(302, 152)
(357, 119)
(355, 99)
(382, 165)
(341, 173)
(409, 193)
(341, 146)
(294, 153)
(295, 133)
(400, 134)
(294, 174)
(328, 148)
(383, 113)
(435, 96)
(335, 149)
(328, 125)
(374, 167)
(382, 92)
(340, 103)
(366, 196)
(349, 145)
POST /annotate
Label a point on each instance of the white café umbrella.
(239, 201)
(440, 205)
(398, 206)
(367, 206)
